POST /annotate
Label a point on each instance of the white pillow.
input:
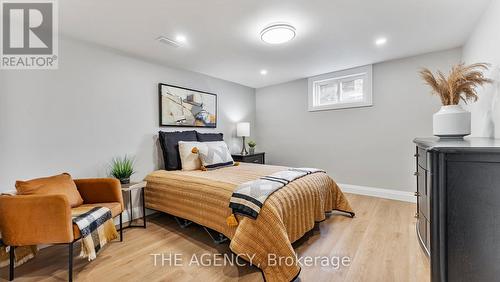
(189, 160)
(214, 155)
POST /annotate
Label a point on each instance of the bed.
(203, 197)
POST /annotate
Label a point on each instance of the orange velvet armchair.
(46, 219)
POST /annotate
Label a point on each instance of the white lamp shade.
(243, 129)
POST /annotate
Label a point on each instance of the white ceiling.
(223, 35)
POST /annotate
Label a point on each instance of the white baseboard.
(379, 192)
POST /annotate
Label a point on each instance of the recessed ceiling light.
(380, 41)
(180, 38)
(277, 33)
(263, 72)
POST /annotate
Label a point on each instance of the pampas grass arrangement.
(460, 84)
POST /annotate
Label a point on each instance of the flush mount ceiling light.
(179, 40)
(277, 33)
(380, 41)
(263, 72)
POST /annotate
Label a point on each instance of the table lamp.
(243, 130)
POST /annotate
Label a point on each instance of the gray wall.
(364, 146)
(484, 46)
(99, 104)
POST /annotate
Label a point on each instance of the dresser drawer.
(422, 158)
(257, 158)
(423, 233)
(423, 192)
(422, 230)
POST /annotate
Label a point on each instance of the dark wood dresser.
(256, 158)
(458, 207)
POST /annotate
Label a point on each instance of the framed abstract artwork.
(186, 107)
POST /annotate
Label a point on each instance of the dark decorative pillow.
(209, 137)
(169, 142)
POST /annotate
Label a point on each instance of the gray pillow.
(169, 142)
(209, 137)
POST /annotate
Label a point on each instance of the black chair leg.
(11, 263)
(121, 228)
(70, 262)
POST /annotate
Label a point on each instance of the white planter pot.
(451, 121)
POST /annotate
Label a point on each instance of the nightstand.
(256, 158)
(132, 186)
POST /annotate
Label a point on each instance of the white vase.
(452, 122)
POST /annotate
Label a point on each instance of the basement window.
(350, 88)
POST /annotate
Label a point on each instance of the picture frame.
(185, 107)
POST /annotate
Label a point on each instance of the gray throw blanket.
(249, 197)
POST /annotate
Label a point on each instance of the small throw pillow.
(213, 155)
(189, 160)
(61, 184)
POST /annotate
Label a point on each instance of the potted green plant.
(460, 85)
(122, 169)
(251, 145)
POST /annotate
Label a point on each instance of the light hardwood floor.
(380, 241)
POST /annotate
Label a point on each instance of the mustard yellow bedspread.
(203, 197)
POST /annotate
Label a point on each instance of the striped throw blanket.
(249, 197)
(96, 228)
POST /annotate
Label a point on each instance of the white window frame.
(365, 72)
